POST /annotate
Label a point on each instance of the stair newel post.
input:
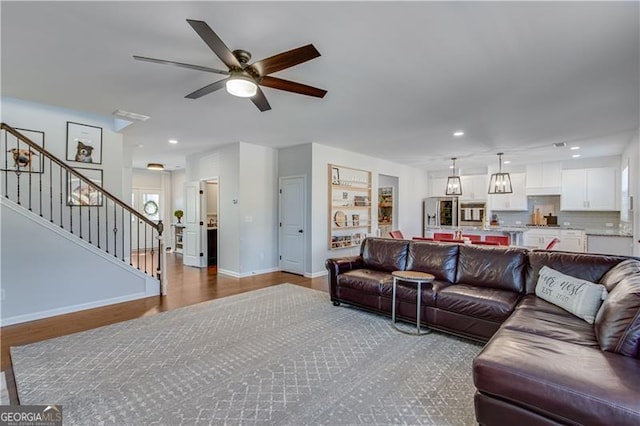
(122, 225)
(40, 184)
(51, 191)
(29, 187)
(6, 166)
(161, 261)
(146, 271)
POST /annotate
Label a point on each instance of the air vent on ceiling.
(130, 115)
(560, 144)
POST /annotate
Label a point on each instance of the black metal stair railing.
(47, 186)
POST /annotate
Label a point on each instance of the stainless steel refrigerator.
(440, 211)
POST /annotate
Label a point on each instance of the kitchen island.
(514, 233)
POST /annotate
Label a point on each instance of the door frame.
(304, 220)
(203, 201)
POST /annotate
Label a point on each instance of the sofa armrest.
(340, 265)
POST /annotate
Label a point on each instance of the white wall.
(46, 271)
(247, 210)
(412, 189)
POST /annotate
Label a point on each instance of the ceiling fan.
(244, 79)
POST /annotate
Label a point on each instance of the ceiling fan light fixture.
(242, 86)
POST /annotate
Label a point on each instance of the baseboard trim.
(247, 274)
(315, 274)
(75, 308)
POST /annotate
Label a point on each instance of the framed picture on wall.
(18, 156)
(80, 193)
(84, 143)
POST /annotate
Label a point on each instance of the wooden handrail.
(158, 226)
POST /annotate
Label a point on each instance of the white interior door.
(193, 237)
(292, 224)
(149, 203)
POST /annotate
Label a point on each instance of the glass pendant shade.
(242, 86)
(454, 186)
(500, 183)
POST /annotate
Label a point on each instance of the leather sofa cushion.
(617, 325)
(589, 267)
(553, 323)
(384, 254)
(495, 267)
(438, 259)
(480, 302)
(365, 280)
(408, 291)
(578, 384)
(620, 271)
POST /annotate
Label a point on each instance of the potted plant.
(178, 214)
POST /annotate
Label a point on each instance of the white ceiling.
(401, 76)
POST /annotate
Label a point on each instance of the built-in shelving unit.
(177, 235)
(349, 206)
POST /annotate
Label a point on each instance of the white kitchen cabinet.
(516, 201)
(474, 188)
(438, 187)
(544, 178)
(571, 240)
(540, 238)
(593, 189)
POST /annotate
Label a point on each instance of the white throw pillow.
(581, 298)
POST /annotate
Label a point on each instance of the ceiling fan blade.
(285, 59)
(180, 64)
(215, 43)
(292, 86)
(207, 89)
(260, 100)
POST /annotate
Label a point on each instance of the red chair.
(552, 243)
(396, 235)
(439, 236)
(502, 240)
(471, 238)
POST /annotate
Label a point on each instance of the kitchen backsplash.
(586, 220)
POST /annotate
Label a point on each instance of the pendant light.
(454, 186)
(500, 182)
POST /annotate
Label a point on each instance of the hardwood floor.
(187, 286)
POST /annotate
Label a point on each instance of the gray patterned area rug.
(282, 355)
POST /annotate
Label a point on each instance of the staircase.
(41, 184)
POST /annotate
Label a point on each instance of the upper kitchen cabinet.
(516, 201)
(544, 178)
(474, 187)
(593, 189)
(437, 187)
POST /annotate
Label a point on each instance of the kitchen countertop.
(610, 232)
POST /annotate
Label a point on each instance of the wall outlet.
(248, 219)
(567, 223)
(518, 222)
(608, 225)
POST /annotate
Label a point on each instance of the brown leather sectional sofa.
(541, 365)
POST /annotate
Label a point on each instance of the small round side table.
(417, 278)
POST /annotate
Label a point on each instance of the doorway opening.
(387, 205)
(211, 222)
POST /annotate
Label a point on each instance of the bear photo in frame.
(84, 143)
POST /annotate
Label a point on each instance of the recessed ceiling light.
(573, 148)
(173, 141)
(576, 155)
(458, 133)
(140, 145)
(506, 162)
